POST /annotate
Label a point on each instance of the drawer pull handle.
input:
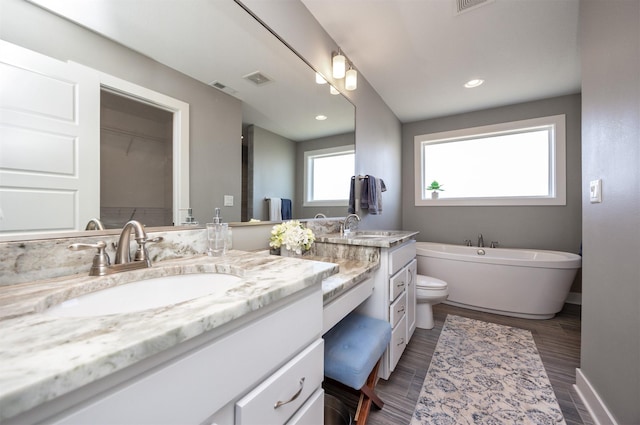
(296, 395)
(401, 342)
(401, 284)
(401, 309)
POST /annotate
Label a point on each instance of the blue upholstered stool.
(352, 352)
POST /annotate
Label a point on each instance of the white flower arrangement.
(292, 235)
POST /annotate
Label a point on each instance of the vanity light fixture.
(351, 81)
(339, 65)
(333, 90)
(473, 83)
(339, 70)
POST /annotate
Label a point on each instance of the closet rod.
(133, 134)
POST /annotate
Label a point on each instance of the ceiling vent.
(218, 85)
(467, 5)
(258, 78)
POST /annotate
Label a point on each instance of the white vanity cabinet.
(234, 376)
(394, 300)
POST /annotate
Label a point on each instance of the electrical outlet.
(595, 191)
(228, 200)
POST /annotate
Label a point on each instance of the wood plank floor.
(557, 339)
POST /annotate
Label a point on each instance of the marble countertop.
(43, 357)
(372, 238)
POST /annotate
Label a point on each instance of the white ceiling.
(417, 54)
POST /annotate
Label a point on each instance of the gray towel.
(352, 196)
(373, 195)
(364, 193)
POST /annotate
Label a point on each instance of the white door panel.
(49, 143)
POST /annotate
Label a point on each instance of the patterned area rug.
(483, 373)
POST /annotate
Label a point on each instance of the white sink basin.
(145, 294)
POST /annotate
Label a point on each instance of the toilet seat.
(428, 282)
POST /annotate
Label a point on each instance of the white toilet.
(429, 291)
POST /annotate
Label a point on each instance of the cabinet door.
(398, 342)
(412, 272)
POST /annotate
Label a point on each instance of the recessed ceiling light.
(321, 117)
(473, 83)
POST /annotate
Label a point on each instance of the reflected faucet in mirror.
(102, 266)
(94, 224)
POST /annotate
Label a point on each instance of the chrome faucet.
(123, 254)
(480, 241)
(101, 263)
(346, 225)
(320, 215)
(94, 224)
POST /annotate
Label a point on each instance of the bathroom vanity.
(393, 296)
(214, 359)
(225, 358)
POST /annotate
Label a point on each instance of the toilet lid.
(430, 282)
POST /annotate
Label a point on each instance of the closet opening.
(136, 162)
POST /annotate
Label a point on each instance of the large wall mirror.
(215, 42)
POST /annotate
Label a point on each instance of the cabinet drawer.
(397, 285)
(398, 342)
(397, 309)
(291, 386)
(399, 257)
(312, 412)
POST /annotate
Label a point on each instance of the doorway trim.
(180, 112)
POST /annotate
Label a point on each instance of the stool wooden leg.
(367, 396)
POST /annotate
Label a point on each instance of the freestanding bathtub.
(515, 282)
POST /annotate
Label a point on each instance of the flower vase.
(284, 252)
(434, 194)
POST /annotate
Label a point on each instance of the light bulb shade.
(339, 66)
(320, 79)
(333, 90)
(351, 82)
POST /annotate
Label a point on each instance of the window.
(327, 175)
(515, 163)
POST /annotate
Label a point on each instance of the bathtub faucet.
(480, 241)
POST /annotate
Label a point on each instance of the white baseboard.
(592, 401)
(574, 298)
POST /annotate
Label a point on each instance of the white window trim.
(308, 184)
(558, 177)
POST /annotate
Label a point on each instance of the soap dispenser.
(217, 219)
(189, 220)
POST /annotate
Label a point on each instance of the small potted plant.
(434, 187)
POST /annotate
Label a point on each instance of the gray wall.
(378, 130)
(274, 170)
(310, 145)
(215, 118)
(610, 354)
(540, 227)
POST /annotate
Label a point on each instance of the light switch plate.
(228, 200)
(595, 191)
